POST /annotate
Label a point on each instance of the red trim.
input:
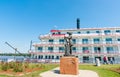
(55, 31)
(58, 35)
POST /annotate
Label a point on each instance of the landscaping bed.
(10, 72)
(15, 69)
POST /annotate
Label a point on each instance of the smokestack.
(78, 23)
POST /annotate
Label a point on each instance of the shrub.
(18, 67)
(11, 65)
(42, 66)
(26, 65)
(4, 66)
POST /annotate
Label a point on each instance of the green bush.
(26, 65)
(18, 67)
(11, 65)
(42, 66)
(4, 66)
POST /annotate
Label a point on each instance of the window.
(59, 32)
(86, 59)
(108, 40)
(49, 57)
(61, 49)
(110, 50)
(98, 32)
(96, 41)
(97, 49)
(52, 57)
(74, 49)
(74, 41)
(84, 41)
(40, 48)
(119, 39)
(61, 41)
(51, 41)
(98, 58)
(117, 31)
(79, 32)
(53, 33)
(85, 50)
(107, 31)
(46, 57)
(50, 49)
(88, 32)
(40, 56)
(57, 57)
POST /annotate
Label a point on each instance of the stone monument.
(68, 63)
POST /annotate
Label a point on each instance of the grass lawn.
(103, 70)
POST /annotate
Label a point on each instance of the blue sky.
(24, 20)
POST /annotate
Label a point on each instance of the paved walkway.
(56, 73)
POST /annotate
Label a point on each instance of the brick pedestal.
(69, 65)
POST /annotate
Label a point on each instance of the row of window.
(85, 58)
(74, 49)
(105, 32)
(88, 32)
(86, 41)
(48, 57)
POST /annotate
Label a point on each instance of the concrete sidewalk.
(56, 73)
